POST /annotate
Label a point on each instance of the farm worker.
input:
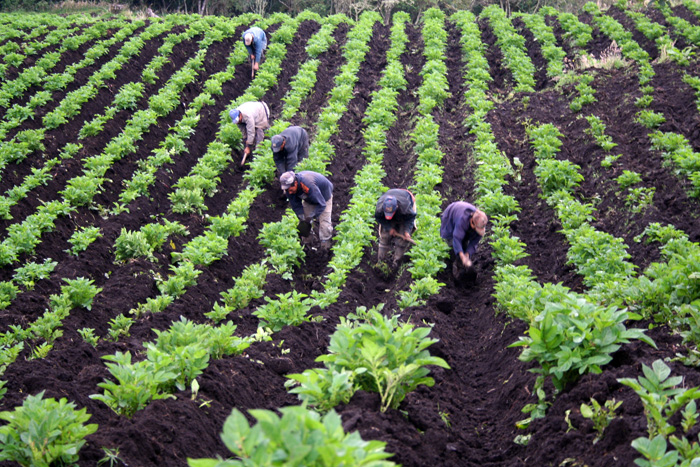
(310, 195)
(289, 147)
(396, 215)
(462, 227)
(255, 118)
(256, 43)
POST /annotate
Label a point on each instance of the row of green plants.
(544, 36)
(175, 143)
(126, 99)
(638, 197)
(43, 220)
(129, 95)
(283, 250)
(213, 243)
(18, 147)
(673, 146)
(172, 363)
(203, 251)
(388, 379)
(23, 237)
(18, 113)
(567, 334)
(575, 31)
(512, 45)
(35, 74)
(49, 35)
(380, 350)
(429, 255)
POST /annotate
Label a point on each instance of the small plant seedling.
(601, 415)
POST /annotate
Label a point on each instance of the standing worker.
(256, 43)
(396, 215)
(310, 195)
(289, 147)
(255, 117)
(462, 227)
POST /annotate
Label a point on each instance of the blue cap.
(234, 114)
(389, 207)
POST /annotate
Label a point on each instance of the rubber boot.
(381, 255)
(399, 251)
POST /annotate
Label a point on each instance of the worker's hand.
(466, 262)
(255, 67)
(394, 233)
(252, 57)
(246, 151)
(407, 236)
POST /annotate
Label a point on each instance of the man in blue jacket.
(256, 43)
(396, 215)
(310, 195)
(462, 227)
(289, 147)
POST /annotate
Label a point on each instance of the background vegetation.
(351, 8)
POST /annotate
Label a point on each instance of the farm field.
(124, 211)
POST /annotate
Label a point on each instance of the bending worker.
(396, 215)
(256, 42)
(462, 226)
(310, 195)
(289, 147)
(254, 117)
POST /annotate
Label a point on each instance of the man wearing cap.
(256, 42)
(254, 117)
(310, 195)
(462, 227)
(289, 147)
(396, 215)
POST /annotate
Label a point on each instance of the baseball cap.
(277, 141)
(234, 114)
(389, 207)
(248, 38)
(287, 179)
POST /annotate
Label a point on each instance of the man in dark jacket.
(462, 227)
(310, 195)
(396, 215)
(289, 147)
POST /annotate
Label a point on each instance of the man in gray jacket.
(289, 147)
(253, 118)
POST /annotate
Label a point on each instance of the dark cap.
(277, 141)
(389, 207)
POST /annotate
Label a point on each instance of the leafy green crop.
(44, 432)
(387, 358)
(300, 437)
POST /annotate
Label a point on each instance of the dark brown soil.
(468, 418)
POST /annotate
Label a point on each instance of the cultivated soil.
(469, 416)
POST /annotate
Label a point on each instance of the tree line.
(351, 8)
